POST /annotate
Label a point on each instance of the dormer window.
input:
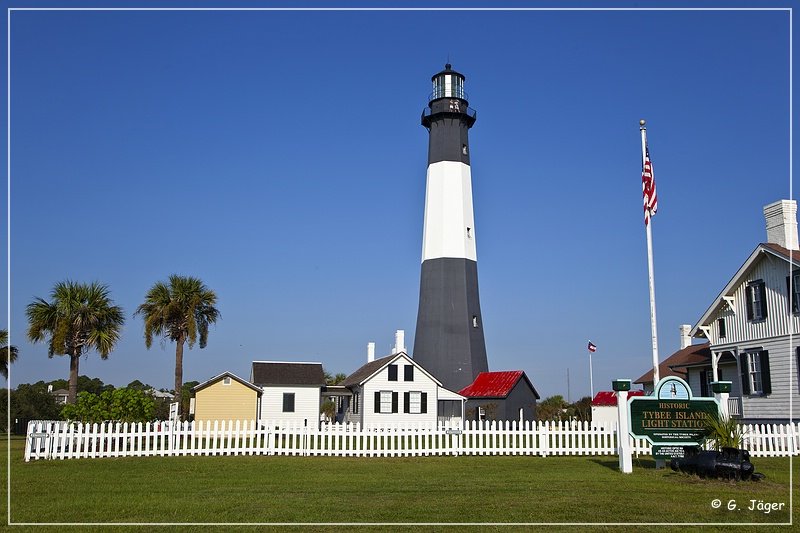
(226, 380)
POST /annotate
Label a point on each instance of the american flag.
(649, 196)
(592, 347)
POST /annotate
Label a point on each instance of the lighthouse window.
(464, 149)
(474, 321)
(469, 233)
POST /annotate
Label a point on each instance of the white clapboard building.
(749, 326)
(291, 391)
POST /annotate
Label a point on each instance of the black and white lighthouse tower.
(449, 340)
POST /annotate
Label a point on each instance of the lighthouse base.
(449, 340)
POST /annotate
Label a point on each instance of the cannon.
(730, 463)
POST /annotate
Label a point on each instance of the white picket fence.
(71, 440)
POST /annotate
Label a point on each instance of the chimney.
(686, 339)
(781, 219)
(370, 352)
(399, 341)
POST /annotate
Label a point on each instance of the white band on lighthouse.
(449, 227)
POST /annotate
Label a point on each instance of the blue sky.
(279, 157)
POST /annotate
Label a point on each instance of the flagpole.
(591, 378)
(653, 328)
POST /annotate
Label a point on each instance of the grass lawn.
(258, 489)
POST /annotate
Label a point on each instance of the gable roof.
(219, 377)
(496, 384)
(609, 397)
(691, 354)
(373, 367)
(763, 249)
(285, 373)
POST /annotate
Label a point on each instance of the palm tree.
(79, 318)
(180, 311)
(8, 354)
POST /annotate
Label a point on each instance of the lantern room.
(448, 84)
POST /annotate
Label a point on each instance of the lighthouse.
(449, 340)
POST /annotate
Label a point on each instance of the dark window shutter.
(794, 305)
(423, 403)
(766, 383)
(406, 402)
(408, 372)
(703, 383)
(394, 402)
(377, 402)
(744, 368)
(762, 290)
(392, 372)
(749, 297)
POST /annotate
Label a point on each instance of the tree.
(8, 354)
(181, 311)
(582, 409)
(552, 408)
(85, 384)
(33, 402)
(81, 317)
(330, 379)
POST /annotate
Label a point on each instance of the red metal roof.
(608, 397)
(492, 384)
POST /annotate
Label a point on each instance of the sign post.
(622, 386)
(722, 390)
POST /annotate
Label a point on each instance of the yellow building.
(226, 397)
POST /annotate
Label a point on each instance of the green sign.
(670, 418)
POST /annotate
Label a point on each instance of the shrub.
(123, 405)
(723, 432)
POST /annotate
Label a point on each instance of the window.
(756, 294)
(464, 149)
(793, 290)
(392, 372)
(721, 328)
(408, 373)
(797, 365)
(754, 362)
(226, 380)
(356, 398)
(755, 375)
(474, 321)
(705, 382)
(288, 402)
(415, 402)
(385, 401)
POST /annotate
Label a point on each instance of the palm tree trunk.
(74, 359)
(179, 374)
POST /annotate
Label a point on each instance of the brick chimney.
(781, 219)
(686, 338)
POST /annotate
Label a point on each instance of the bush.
(123, 405)
(723, 432)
